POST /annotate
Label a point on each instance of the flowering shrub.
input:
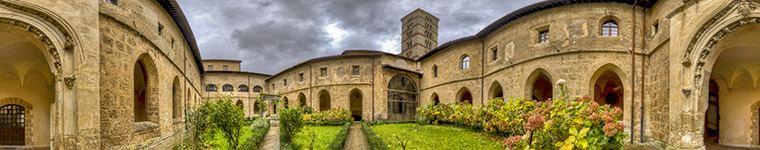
(561, 123)
(330, 115)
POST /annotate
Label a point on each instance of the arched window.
(12, 125)
(141, 92)
(210, 88)
(466, 62)
(435, 71)
(243, 88)
(610, 28)
(227, 88)
(257, 89)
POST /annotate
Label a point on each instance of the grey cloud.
(271, 35)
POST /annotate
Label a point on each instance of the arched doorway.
(176, 99)
(435, 99)
(733, 65)
(608, 89)
(539, 85)
(464, 96)
(324, 100)
(402, 98)
(712, 117)
(495, 91)
(285, 102)
(355, 98)
(27, 88)
(301, 99)
(256, 107)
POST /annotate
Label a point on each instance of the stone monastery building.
(118, 74)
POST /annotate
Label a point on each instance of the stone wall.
(135, 31)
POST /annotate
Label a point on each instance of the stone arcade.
(108, 74)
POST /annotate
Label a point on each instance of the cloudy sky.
(271, 35)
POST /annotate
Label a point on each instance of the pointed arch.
(464, 96)
(435, 99)
(607, 85)
(538, 85)
(495, 90)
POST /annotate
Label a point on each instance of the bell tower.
(419, 33)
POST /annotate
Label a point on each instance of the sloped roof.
(172, 7)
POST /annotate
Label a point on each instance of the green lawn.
(323, 136)
(433, 137)
(220, 142)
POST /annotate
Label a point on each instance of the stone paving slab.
(355, 139)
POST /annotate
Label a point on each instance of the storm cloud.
(271, 35)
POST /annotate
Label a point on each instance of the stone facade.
(661, 86)
(71, 66)
(120, 74)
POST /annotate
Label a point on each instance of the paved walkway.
(272, 140)
(355, 139)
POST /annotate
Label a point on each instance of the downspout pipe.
(633, 65)
(643, 70)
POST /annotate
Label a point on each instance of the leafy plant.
(227, 118)
(340, 138)
(402, 141)
(291, 123)
(259, 129)
(375, 142)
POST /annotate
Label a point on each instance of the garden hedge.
(375, 143)
(340, 138)
(260, 129)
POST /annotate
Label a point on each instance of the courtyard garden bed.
(431, 137)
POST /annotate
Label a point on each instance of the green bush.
(375, 142)
(291, 123)
(260, 128)
(227, 118)
(340, 138)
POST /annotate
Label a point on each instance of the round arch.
(355, 104)
(176, 99)
(324, 100)
(56, 40)
(146, 90)
(495, 91)
(28, 131)
(539, 85)
(402, 98)
(301, 99)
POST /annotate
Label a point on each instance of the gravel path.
(272, 140)
(355, 139)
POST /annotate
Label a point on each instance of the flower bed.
(332, 116)
(559, 123)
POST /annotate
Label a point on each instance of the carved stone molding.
(38, 12)
(741, 7)
(745, 8)
(69, 80)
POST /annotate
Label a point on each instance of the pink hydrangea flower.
(610, 129)
(535, 121)
(512, 141)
